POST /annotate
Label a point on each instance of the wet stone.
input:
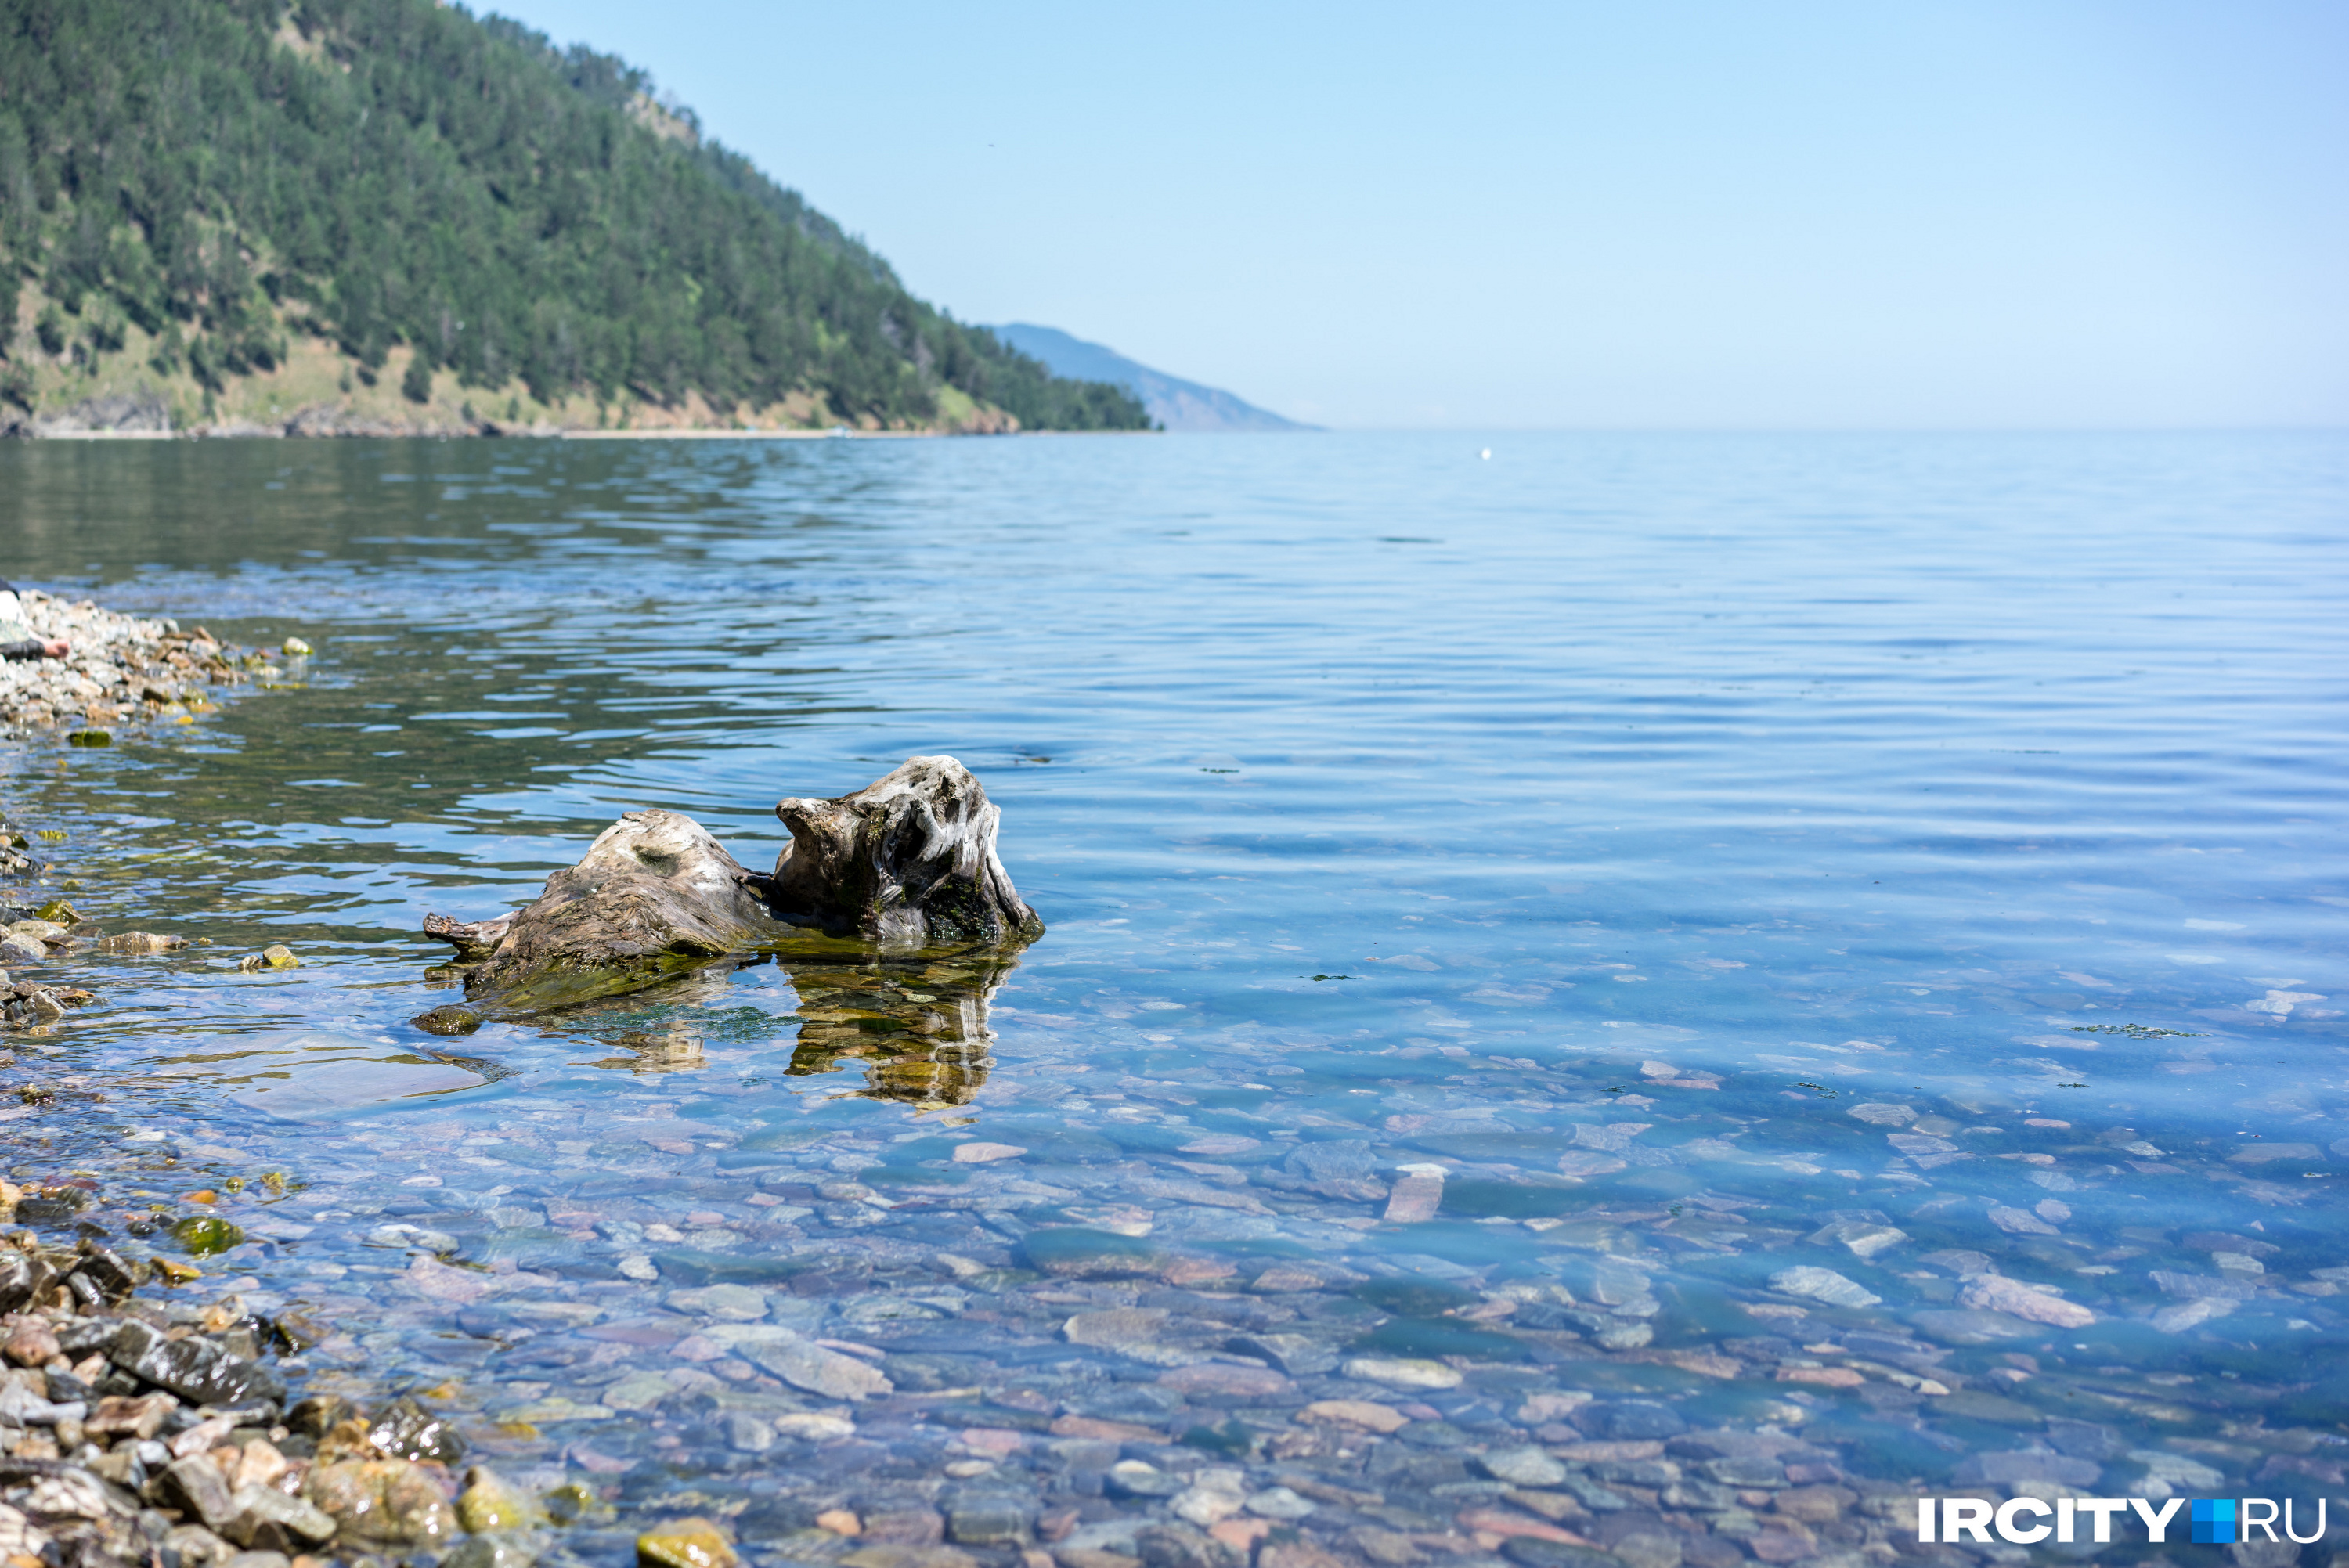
(407, 1430)
(263, 1518)
(490, 1502)
(990, 1517)
(494, 1551)
(1533, 1553)
(317, 1414)
(385, 1500)
(1631, 1420)
(686, 1543)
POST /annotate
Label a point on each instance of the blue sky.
(1687, 214)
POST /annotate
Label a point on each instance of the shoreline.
(492, 432)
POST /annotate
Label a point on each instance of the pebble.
(2037, 1303)
(1403, 1372)
(1823, 1285)
(165, 1418)
(490, 1502)
(691, 1542)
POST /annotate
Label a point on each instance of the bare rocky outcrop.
(142, 412)
(908, 863)
(344, 419)
(907, 860)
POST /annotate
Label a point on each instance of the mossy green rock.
(571, 1503)
(205, 1234)
(490, 1502)
(686, 1543)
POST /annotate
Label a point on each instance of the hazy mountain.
(1177, 403)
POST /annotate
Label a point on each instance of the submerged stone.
(303, 1077)
(1403, 1372)
(1084, 1254)
(1823, 1285)
(498, 1551)
(383, 1500)
(687, 1544)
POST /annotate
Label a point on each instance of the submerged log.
(908, 862)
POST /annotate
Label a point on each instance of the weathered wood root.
(653, 897)
(471, 939)
(907, 860)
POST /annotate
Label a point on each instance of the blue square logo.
(2214, 1520)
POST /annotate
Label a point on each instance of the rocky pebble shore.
(120, 667)
(804, 1361)
(140, 1431)
(1196, 1420)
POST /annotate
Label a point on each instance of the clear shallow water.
(1601, 823)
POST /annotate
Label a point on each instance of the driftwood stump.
(906, 863)
(908, 859)
(653, 897)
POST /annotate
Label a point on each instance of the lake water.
(1721, 981)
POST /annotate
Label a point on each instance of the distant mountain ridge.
(1177, 403)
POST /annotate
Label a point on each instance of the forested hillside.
(356, 212)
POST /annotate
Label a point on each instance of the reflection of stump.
(920, 1027)
(675, 1049)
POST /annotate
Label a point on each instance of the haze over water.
(1435, 809)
